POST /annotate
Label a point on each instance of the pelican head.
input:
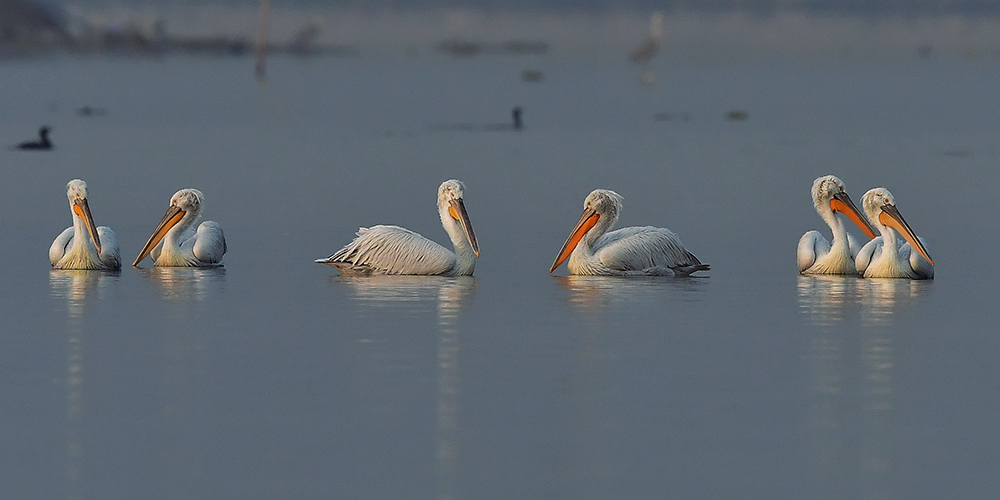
(450, 202)
(601, 208)
(185, 205)
(76, 191)
(829, 196)
(881, 209)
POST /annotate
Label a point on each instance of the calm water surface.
(275, 378)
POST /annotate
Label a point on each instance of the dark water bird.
(515, 124)
(41, 144)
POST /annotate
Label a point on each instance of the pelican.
(884, 257)
(182, 246)
(815, 254)
(84, 245)
(629, 251)
(395, 250)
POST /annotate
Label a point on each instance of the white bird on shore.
(84, 245)
(630, 251)
(815, 254)
(647, 49)
(886, 256)
(175, 243)
(396, 250)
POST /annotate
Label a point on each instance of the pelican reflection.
(186, 283)
(76, 287)
(409, 294)
(882, 298)
(597, 292)
(826, 298)
(851, 356)
(449, 294)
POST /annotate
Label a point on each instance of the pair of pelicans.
(590, 247)
(174, 242)
(885, 256)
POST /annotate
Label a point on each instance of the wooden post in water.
(260, 52)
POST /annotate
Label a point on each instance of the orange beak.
(891, 217)
(170, 219)
(457, 212)
(82, 208)
(587, 221)
(843, 204)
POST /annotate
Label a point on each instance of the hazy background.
(691, 29)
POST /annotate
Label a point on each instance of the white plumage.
(815, 254)
(886, 256)
(395, 250)
(176, 243)
(84, 245)
(630, 251)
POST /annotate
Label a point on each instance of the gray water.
(275, 378)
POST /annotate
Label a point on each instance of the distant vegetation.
(517, 27)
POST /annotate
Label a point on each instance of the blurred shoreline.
(309, 30)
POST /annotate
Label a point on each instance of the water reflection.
(597, 292)
(449, 296)
(824, 299)
(75, 286)
(882, 298)
(851, 356)
(186, 283)
(391, 290)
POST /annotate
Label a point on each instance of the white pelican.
(84, 245)
(629, 251)
(181, 245)
(884, 257)
(396, 250)
(815, 254)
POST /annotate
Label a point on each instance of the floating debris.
(958, 153)
(665, 116)
(91, 111)
(460, 47)
(525, 47)
(737, 115)
(531, 75)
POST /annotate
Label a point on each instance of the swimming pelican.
(815, 254)
(395, 250)
(629, 251)
(84, 245)
(181, 245)
(884, 257)
(42, 144)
